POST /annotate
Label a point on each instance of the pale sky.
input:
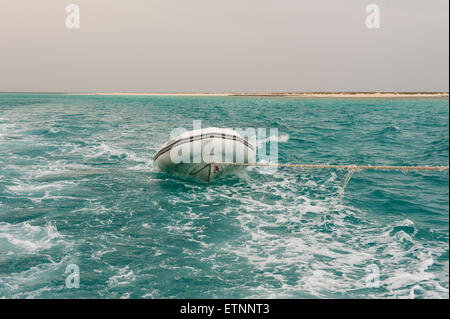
(224, 46)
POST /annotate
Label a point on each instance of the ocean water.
(77, 186)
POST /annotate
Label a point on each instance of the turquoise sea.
(77, 186)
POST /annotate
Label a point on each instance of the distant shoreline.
(388, 95)
(296, 94)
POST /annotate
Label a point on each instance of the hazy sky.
(222, 46)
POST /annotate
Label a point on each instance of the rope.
(345, 167)
(351, 169)
(347, 179)
(200, 169)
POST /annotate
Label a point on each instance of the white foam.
(30, 238)
(104, 148)
(124, 276)
(283, 138)
(328, 263)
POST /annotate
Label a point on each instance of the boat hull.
(204, 154)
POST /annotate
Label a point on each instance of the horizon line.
(229, 92)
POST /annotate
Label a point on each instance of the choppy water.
(77, 186)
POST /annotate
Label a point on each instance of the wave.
(25, 237)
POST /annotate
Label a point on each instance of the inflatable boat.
(204, 154)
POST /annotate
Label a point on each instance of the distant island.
(385, 95)
(296, 94)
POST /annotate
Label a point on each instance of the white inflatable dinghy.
(202, 153)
